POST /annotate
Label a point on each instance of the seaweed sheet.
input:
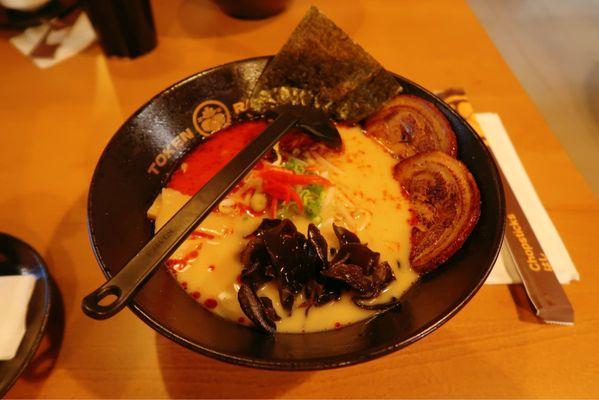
(321, 66)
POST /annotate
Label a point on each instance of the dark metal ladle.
(125, 284)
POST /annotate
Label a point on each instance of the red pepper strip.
(273, 207)
(309, 179)
(288, 177)
(288, 195)
(277, 190)
(298, 201)
(248, 190)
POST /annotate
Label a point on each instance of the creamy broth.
(364, 197)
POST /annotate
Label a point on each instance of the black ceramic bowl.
(148, 147)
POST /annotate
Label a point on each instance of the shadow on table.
(201, 18)
(76, 273)
(204, 19)
(72, 336)
(425, 369)
(190, 375)
(523, 305)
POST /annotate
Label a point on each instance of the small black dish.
(18, 258)
(148, 148)
(15, 19)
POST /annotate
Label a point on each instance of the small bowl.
(24, 5)
(18, 258)
(137, 163)
(21, 18)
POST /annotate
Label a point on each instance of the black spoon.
(123, 286)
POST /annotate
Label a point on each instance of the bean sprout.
(212, 232)
(279, 159)
(327, 164)
(328, 197)
(344, 198)
(347, 217)
(363, 218)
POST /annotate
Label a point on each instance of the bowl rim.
(313, 363)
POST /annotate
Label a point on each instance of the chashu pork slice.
(446, 202)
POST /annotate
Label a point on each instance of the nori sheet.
(321, 66)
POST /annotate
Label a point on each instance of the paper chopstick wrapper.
(504, 271)
(555, 251)
(15, 293)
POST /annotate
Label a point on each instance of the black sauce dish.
(149, 146)
(18, 258)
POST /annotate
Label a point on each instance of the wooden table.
(56, 122)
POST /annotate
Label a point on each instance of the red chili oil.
(210, 303)
(206, 160)
(413, 221)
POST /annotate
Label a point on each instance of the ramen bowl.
(145, 151)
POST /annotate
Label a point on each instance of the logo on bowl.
(211, 116)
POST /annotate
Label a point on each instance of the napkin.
(504, 270)
(15, 293)
(56, 40)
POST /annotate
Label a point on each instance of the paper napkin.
(15, 293)
(56, 40)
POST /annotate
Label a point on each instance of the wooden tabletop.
(55, 123)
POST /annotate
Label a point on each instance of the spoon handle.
(118, 291)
